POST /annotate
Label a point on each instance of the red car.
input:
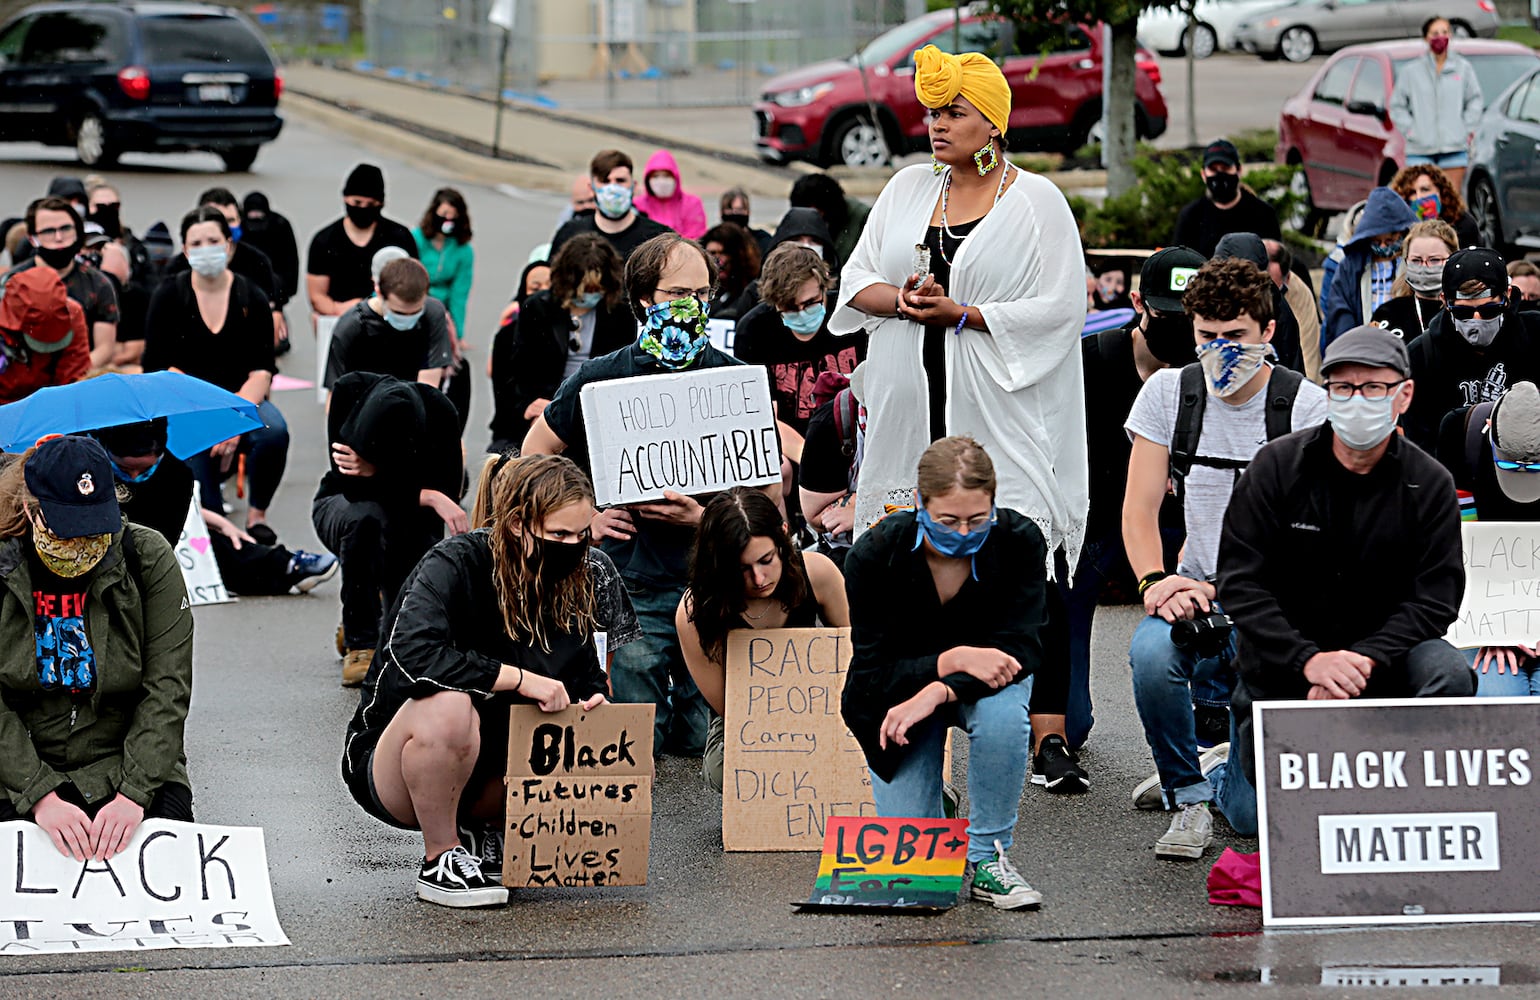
(822, 113)
(1338, 126)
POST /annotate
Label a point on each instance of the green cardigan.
(449, 274)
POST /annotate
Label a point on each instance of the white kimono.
(1017, 389)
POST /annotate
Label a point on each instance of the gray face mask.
(1480, 332)
(1425, 278)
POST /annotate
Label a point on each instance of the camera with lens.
(1205, 635)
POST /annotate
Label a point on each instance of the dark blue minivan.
(138, 77)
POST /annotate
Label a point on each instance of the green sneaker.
(949, 801)
(998, 883)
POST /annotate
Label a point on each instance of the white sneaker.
(1190, 833)
(1213, 758)
(1148, 794)
(455, 879)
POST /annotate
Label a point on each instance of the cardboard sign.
(722, 332)
(323, 349)
(1501, 606)
(200, 570)
(790, 763)
(692, 433)
(579, 796)
(1398, 811)
(914, 865)
(177, 885)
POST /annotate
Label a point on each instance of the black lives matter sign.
(1398, 811)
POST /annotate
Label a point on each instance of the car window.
(185, 38)
(1529, 111)
(1049, 39)
(1333, 87)
(72, 37)
(1369, 84)
(986, 36)
(1516, 100)
(11, 39)
(904, 38)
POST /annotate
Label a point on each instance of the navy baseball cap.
(72, 480)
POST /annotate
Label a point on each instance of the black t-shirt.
(160, 502)
(65, 659)
(627, 240)
(176, 336)
(1202, 224)
(247, 261)
(1406, 316)
(363, 342)
(658, 554)
(794, 365)
(347, 264)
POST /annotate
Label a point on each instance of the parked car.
(1502, 184)
(1298, 30)
(143, 77)
(823, 113)
(1338, 127)
(1166, 29)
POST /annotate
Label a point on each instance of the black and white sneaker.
(455, 879)
(486, 843)
(1056, 767)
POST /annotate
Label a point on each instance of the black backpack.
(1282, 387)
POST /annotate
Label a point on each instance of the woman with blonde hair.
(500, 616)
(1414, 298)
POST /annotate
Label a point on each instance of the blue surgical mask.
(807, 321)
(403, 321)
(124, 477)
(208, 261)
(587, 300)
(235, 232)
(613, 200)
(949, 543)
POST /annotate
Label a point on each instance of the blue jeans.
(999, 741)
(1233, 794)
(1524, 684)
(652, 671)
(267, 451)
(1167, 681)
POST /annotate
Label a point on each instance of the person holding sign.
(496, 617)
(92, 724)
(948, 605)
(746, 574)
(669, 281)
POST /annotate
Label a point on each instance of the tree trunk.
(1120, 99)
(1192, 96)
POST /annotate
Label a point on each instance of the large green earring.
(936, 166)
(986, 159)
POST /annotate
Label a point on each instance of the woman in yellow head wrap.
(969, 282)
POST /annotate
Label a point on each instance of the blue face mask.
(949, 543)
(123, 476)
(403, 321)
(804, 322)
(235, 232)
(588, 301)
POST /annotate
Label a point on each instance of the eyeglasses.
(810, 303)
(1487, 310)
(973, 524)
(66, 231)
(1428, 261)
(1508, 465)
(704, 294)
(1344, 391)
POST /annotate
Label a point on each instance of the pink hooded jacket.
(682, 213)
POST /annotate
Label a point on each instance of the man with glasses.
(668, 284)
(57, 235)
(1180, 652)
(1340, 557)
(1475, 348)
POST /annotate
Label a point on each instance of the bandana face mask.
(69, 557)
(1229, 364)
(675, 332)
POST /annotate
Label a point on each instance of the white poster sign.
(323, 349)
(1502, 585)
(177, 885)
(723, 333)
(692, 433)
(200, 570)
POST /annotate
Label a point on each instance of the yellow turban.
(939, 77)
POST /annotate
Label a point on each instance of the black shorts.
(491, 764)
(361, 786)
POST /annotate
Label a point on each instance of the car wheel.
(1460, 29)
(239, 159)
(91, 145)
(859, 143)
(1297, 44)
(1483, 206)
(1202, 41)
(1306, 218)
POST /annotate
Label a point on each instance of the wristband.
(1151, 579)
(962, 322)
(898, 304)
(521, 681)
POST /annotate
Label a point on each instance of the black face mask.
(1169, 338)
(1222, 187)
(558, 560)
(741, 220)
(58, 258)
(362, 216)
(107, 217)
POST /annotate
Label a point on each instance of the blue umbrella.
(198, 414)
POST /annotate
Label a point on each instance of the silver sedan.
(1301, 29)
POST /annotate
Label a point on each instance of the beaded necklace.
(946, 192)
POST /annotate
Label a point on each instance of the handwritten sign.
(692, 433)
(177, 885)
(789, 762)
(579, 796)
(1397, 811)
(915, 865)
(1501, 606)
(200, 570)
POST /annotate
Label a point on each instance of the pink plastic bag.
(1236, 880)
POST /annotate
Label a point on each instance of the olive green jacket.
(126, 734)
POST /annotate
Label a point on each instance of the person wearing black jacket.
(1340, 558)
(582, 315)
(396, 468)
(501, 616)
(266, 230)
(948, 605)
(798, 225)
